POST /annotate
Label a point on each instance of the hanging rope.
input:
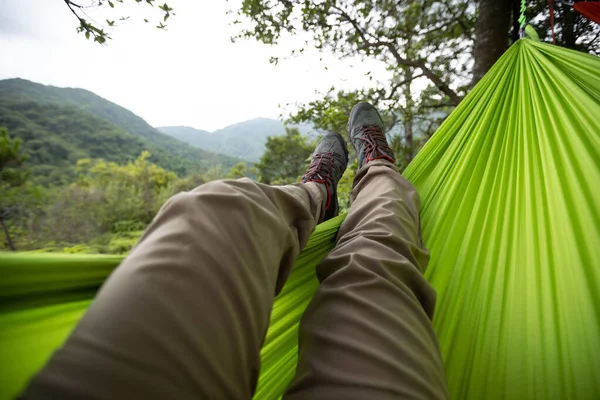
(551, 5)
(522, 18)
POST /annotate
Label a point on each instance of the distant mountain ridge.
(60, 125)
(244, 140)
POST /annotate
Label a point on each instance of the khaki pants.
(184, 316)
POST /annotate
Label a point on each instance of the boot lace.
(320, 171)
(375, 143)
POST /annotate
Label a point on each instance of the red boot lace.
(375, 142)
(319, 171)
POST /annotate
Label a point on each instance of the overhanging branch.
(432, 76)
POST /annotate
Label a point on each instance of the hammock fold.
(510, 212)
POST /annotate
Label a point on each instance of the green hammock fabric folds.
(510, 188)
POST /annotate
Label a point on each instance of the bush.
(124, 242)
(128, 226)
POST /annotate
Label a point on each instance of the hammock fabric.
(589, 9)
(510, 212)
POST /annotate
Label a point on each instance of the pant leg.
(367, 334)
(184, 316)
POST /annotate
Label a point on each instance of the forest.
(80, 174)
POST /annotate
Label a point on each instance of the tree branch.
(442, 86)
(439, 105)
(458, 19)
(402, 83)
(84, 26)
(9, 241)
(70, 4)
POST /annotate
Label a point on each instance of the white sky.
(190, 74)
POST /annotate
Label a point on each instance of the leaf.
(111, 4)
(165, 8)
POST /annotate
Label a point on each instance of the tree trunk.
(568, 19)
(516, 25)
(410, 107)
(491, 35)
(9, 241)
(409, 118)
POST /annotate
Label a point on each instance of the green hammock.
(510, 188)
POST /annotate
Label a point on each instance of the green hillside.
(60, 125)
(244, 140)
(187, 134)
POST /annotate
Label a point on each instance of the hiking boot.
(365, 128)
(327, 166)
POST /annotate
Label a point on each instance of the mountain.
(195, 137)
(244, 140)
(60, 125)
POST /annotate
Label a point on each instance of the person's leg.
(367, 334)
(185, 314)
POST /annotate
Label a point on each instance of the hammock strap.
(551, 5)
(522, 18)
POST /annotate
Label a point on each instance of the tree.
(406, 136)
(239, 170)
(108, 206)
(12, 177)
(94, 30)
(285, 158)
(492, 34)
(421, 37)
(427, 41)
(129, 190)
(330, 112)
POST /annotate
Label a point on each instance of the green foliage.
(427, 42)
(330, 113)
(129, 191)
(123, 243)
(431, 39)
(93, 30)
(345, 186)
(285, 158)
(58, 126)
(11, 162)
(215, 173)
(55, 137)
(106, 208)
(78, 249)
(128, 227)
(239, 170)
(16, 194)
